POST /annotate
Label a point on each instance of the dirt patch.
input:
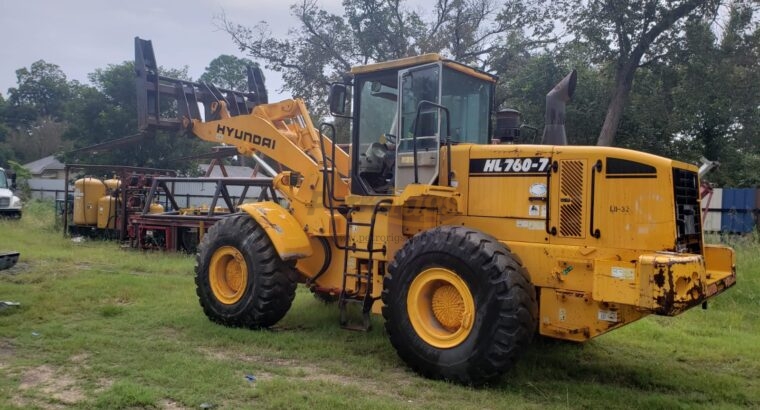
(169, 404)
(7, 351)
(300, 371)
(103, 385)
(55, 384)
(246, 358)
(80, 358)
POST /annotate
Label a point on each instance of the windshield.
(3, 180)
(377, 99)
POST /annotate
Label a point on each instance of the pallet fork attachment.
(164, 103)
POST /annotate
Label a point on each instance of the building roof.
(41, 165)
(232, 171)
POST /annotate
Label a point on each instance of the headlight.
(15, 202)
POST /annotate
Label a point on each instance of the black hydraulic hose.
(326, 263)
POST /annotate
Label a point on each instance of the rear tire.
(458, 305)
(240, 279)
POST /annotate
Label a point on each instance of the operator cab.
(397, 116)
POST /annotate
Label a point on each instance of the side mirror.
(13, 181)
(337, 100)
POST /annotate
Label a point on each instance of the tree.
(618, 37)
(325, 45)
(227, 71)
(717, 99)
(107, 110)
(629, 35)
(41, 139)
(4, 130)
(42, 92)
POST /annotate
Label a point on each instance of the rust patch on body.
(659, 278)
(670, 302)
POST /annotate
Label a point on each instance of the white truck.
(10, 205)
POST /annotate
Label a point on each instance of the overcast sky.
(82, 35)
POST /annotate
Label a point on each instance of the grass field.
(104, 327)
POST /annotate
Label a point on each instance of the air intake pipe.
(554, 128)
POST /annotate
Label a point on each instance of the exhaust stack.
(554, 130)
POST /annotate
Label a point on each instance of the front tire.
(458, 305)
(240, 279)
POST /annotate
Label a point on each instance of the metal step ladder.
(363, 295)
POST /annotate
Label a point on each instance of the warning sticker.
(623, 273)
(531, 225)
(608, 315)
(533, 210)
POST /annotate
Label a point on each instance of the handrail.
(596, 168)
(553, 168)
(416, 129)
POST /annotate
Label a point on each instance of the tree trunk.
(627, 67)
(623, 85)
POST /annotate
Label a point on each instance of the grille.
(5, 202)
(571, 199)
(688, 219)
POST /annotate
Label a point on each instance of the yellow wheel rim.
(228, 275)
(440, 307)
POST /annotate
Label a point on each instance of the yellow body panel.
(282, 228)
(599, 244)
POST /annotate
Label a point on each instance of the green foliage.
(229, 72)
(326, 45)
(21, 172)
(42, 137)
(107, 110)
(717, 101)
(46, 114)
(42, 91)
(22, 179)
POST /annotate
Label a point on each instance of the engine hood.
(6, 193)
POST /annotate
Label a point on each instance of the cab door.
(418, 84)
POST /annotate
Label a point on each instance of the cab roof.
(422, 60)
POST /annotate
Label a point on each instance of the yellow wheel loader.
(467, 244)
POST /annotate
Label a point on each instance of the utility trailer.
(181, 228)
